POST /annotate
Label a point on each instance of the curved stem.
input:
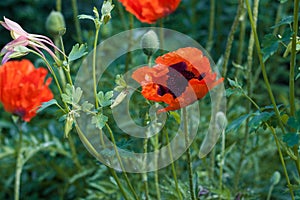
(120, 161)
(95, 153)
(173, 166)
(188, 153)
(263, 68)
(231, 37)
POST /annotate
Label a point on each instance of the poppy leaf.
(99, 120)
(77, 52)
(291, 139)
(105, 100)
(284, 21)
(86, 106)
(260, 118)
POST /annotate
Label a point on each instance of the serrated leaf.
(77, 52)
(77, 93)
(72, 95)
(293, 123)
(99, 120)
(291, 139)
(286, 20)
(105, 100)
(234, 125)
(270, 45)
(47, 104)
(86, 106)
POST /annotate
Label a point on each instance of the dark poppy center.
(178, 77)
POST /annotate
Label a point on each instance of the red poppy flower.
(149, 11)
(178, 79)
(23, 88)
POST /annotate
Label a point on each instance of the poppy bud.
(55, 24)
(150, 43)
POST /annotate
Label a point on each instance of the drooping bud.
(55, 24)
(150, 43)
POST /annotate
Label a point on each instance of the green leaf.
(260, 118)
(105, 100)
(99, 120)
(270, 45)
(234, 125)
(233, 91)
(291, 139)
(234, 83)
(283, 1)
(286, 20)
(72, 96)
(77, 52)
(86, 106)
(121, 83)
(294, 122)
(47, 104)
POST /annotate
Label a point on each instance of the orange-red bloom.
(149, 11)
(178, 79)
(23, 88)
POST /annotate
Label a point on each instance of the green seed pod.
(150, 43)
(55, 24)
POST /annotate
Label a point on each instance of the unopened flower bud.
(150, 43)
(55, 24)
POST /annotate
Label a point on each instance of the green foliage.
(99, 120)
(78, 51)
(105, 100)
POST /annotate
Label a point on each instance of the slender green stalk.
(128, 57)
(120, 161)
(249, 92)
(94, 152)
(210, 40)
(231, 37)
(188, 153)
(76, 20)
(291, 190)
(278, 17)
(19, 165)
(60, 69)
(122, 15)
(172, 165)
(293, 59)
(156, 171)
(292, 74)
(73, 151)
(58, 5)
(161, 35)
(66, 68)
(240, 50)
(145, 176)
(222, 162)
(94, 66)
(263, 68)
(193, 7)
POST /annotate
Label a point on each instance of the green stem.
(66, 68)
(263, 68)
(76, 20)
(283, 163)
(58, 5)
(293, 58)
(19, 165)
(231, 37)
(210, 40)
(156, 171)
(188, 153)
(94, 152)
(249, 92)
(94, 66)
(222, 162)
(161, 35)
(172, 165)
(60, 69)
(292, 75)
(73, 151)
(120, 161)
(145, 176)
(128, 57)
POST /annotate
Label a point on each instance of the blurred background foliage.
(51, 172)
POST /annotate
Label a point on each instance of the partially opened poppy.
(149, 11)
(178, 79)
(23, 88)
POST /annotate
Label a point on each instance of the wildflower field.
(149, 99)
